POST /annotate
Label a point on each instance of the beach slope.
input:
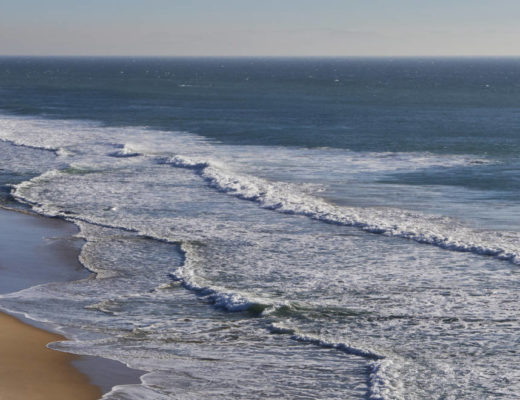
(29, 370)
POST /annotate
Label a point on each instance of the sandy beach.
(36, 250)
(29, 370)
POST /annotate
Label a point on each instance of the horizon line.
(258, 56)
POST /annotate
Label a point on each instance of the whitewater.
(229, 255)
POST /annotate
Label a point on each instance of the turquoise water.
(287, 228)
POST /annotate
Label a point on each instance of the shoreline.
(30, 370)
(34, 250)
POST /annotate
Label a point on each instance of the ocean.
(313, 228)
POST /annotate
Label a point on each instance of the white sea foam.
(318, 341)
(126, 150)
(422, 228)
(219, 296)
(384, 382)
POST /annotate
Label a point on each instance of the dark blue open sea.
(278, 228)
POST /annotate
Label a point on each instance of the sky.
(260, 28)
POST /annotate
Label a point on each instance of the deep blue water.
(438, 105)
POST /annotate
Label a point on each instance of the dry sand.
(30, 371)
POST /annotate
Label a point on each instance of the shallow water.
(27, 260)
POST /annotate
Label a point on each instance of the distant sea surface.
(278, 228)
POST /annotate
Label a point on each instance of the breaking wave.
(443, 232)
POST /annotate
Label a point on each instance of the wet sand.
(36, 250)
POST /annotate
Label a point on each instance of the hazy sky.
(260, 27)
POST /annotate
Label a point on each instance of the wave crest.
(439, 231)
